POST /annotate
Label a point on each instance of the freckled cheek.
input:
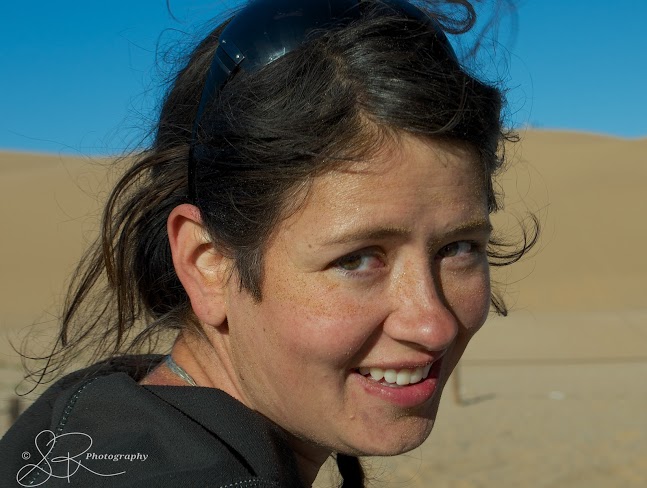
(469, 299)
(326, 328)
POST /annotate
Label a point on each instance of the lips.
(404, 387)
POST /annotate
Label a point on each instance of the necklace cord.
(179, 371)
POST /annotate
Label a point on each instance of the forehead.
(409, 180)
(412, 166)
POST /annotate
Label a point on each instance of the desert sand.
(554, 395)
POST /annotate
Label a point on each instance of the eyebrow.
(380, 233)
(477, 225)
(373, 234)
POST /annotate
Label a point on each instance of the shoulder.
(114, 432)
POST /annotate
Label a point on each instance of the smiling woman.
(376, 297)
(313, 220)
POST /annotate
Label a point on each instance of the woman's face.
(371, 292)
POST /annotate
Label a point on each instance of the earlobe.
(201, 268)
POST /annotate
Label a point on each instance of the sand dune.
(590, 193)
(552, 396)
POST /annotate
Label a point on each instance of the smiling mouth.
(396, 377)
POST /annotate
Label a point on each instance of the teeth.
(400, 377)
(390, 376)
(416, 375)
(377, 374)
(425, 371)
(403, 377)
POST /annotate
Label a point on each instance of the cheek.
(469, 300)
(468, 296)
(322, 325)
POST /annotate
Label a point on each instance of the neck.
(203, 360)
(309, 459)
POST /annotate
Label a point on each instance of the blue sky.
(81, 77)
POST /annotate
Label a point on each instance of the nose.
(420, 314)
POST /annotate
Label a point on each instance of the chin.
(402, 434)
(409, 434)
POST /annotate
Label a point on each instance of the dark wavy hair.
(337, 98)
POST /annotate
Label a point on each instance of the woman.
(313, 219)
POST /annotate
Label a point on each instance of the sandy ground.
(554, 395)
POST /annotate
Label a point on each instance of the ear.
(201, 268)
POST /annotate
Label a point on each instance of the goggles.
(266, 30)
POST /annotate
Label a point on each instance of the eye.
(359, 262)
(457, 248)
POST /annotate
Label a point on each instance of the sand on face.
(553, 395)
